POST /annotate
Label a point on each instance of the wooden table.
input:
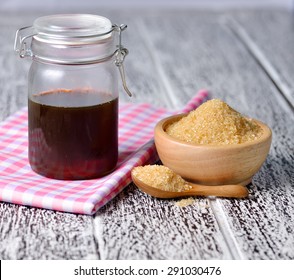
(245, 58)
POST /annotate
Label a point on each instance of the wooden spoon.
(236, 191)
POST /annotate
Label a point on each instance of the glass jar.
(73, 94)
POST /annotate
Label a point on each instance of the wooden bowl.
(212, 164)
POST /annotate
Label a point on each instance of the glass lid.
(72, 25)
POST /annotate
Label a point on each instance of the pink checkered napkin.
(20, 185)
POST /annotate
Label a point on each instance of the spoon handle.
(237, 191)
(233, 191)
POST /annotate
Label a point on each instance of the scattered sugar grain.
(160, 177)
(185, 202)
(215, 122)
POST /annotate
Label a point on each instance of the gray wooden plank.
(31, 233)
(137, 226)
(13, 75)
(219, 61)
(205, 54)
(269, 35)
(279, 179)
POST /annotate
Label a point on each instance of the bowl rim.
(160, 128)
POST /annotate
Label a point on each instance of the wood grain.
(269, 36)
(212, 164)
(172, 55)
(218, 60)
(137, 226)
(31, 233)
(140, 207)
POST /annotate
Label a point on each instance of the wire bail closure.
(25, 33)
(20, 44)
(121, 53)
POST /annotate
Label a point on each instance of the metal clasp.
(120, 54)
(20, 44)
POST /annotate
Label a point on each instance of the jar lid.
(63, 26)
(73, 39)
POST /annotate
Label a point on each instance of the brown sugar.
(160, 177)
(185, 202)
(215, 122)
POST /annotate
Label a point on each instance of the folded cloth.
(20, 185)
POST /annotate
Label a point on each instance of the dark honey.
(73, 134)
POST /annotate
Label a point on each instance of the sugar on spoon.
(161, 182)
